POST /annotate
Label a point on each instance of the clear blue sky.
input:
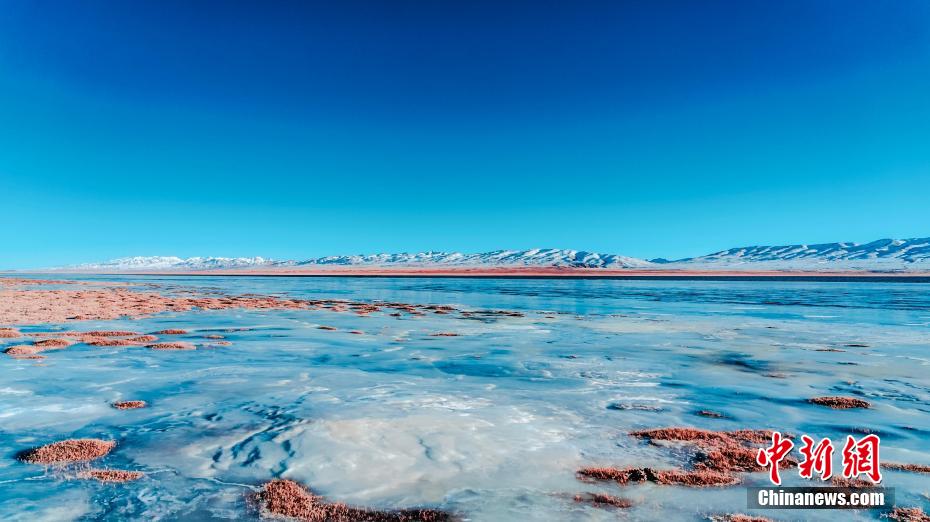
(293, 130)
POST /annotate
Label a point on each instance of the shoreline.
(517, 273)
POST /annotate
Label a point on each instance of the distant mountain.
(534, 257)
(124, 264)
(883, 255)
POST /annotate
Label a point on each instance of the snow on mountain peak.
(881, 255)
(172, 263)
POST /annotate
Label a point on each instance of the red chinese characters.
(819, 458)
(773, 455)
(861, 458)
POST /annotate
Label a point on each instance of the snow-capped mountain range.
(882, 255)
(173, 263)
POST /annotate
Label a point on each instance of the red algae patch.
(357, 332)
(171, 346)
(213, 336)
(914, 514)
(9, 333)
(46, 344)
(22, 349)
(109, 333)
(704, 436)
(674, 477)
(22, 305)
(286, 498)
(603, 500)
(718, 457)
(698, 479)
(129, 405)
(33, 306)
(840, 403)
(110, 342)
(111, 475)
(618, 475)
(842, 482)
(734, 459)
(143, 339)
(913, 468)
(18, 281)
(66, 451)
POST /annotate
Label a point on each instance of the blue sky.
(293, 130)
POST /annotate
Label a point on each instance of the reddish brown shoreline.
(517, 272)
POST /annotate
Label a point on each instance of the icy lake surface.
(490, 424)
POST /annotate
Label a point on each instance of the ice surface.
(491, 424)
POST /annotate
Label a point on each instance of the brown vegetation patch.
(109, 342)
(711, 414)
(129, 405)
(698, 478)
(112, 301)
(9, 333)
(857, 483)
(914, 514)
(913, 468)
(290, 499)
(444, 334)
(731, 459)
(143, 339)
(323, 327)
(71, 450)
(47, 344)
(603, 500)
(705, 436)
(718, 457)
(22, 349)
(111, 475)
(674, 477)
(171, 346)
(19, 281)
(213, 336)
(839, 403)
(110, 333)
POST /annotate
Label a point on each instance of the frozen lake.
(491, 423)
